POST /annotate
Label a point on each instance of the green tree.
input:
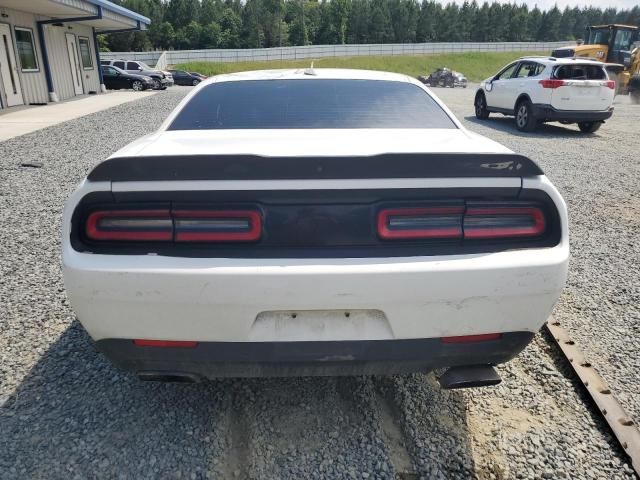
(231, 28)
(380, 27)
(210, 36)
(192, 24)
(339, 14)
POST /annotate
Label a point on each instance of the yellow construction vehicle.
(616, 45)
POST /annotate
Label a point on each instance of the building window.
(85, 53)
(26, 50)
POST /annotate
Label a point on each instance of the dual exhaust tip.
(453, 378)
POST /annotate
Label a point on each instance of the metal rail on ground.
(621, 424)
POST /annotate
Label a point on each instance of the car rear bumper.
(548, 113)
(248, 359)
(236, 300)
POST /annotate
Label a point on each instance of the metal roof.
(111, 16)
(106, 4)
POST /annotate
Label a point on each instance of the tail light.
(429, 222)
(551, 83)
(130, 225)
(174, 225)
(503, 222)
(473, 222)
(611, 84)
(217, 225)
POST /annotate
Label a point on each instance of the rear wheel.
(481, 107)
(589, 127)
(525, 121)
(195, 82)
(137, 85)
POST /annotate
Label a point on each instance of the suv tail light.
(475, 222)
(611, 84)
(154, 225)
(551, 83)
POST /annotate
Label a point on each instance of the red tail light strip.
(217, 225)
(485, 337)
(552, 83)
(130, 225)
(474, 223)
(503, 222)
(428, 222)
(179, 225)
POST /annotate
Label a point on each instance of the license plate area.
(320, 325)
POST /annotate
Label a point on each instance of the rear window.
(307, 103)
(580, 72)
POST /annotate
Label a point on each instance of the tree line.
(196, 24)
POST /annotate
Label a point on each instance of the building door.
(74, 61)
(8, 68)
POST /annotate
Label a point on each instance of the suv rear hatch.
(581, 87)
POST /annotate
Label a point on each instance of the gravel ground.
(67, 413)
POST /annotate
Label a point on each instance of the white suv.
(547, 89)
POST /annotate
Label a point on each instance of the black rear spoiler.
(253, 167)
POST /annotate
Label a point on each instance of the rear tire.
(482, 113)
(525, 121)
(589, 127)
(137, 85)
(195, 82)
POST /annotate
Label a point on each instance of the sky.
(547, 4)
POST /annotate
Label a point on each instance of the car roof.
(561, 61)
(310, 73)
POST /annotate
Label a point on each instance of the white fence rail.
(175, 57)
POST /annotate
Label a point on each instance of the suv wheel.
(481, 107)
(525, 121)
(156, 84)
(137, 85)
(589, 127)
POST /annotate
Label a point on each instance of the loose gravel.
(65, 412)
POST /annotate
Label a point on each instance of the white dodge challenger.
(314, 222)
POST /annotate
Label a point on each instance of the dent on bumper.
(249, 359)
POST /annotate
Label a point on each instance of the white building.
(48, 48)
